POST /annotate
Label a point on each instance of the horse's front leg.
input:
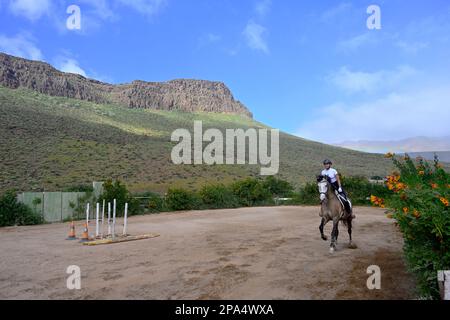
(334, 235)
(322, 225)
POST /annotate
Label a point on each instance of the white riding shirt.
(330, 173)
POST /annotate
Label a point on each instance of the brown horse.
(332, 210)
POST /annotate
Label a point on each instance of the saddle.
(345, 202)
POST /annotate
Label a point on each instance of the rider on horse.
(333, 177)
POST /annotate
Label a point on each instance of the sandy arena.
(250, 253)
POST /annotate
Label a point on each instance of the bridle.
(323, 189)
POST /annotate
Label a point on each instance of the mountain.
(414, 144)
(443, 156)
(59, 130)
(181, 94)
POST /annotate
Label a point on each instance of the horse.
(332, 210)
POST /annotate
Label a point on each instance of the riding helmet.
(327, 161)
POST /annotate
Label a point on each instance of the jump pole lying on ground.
(125, 220)
(97, 210)
(109, 218)
(120, 239)
(114, 219)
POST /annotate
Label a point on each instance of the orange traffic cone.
(85, 235)
(72, 235)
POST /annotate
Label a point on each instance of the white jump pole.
(125, 220)
(97, 211)
(103, 216)
(109, 218)
(87, 214)
(114, 219)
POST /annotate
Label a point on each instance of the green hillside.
(50, 143)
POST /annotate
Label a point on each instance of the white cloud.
(411, 47)
(254, 34)
(146, 7)
(369, 82)
(69, 65)
(422, 112)
(21, 45)
(356, 42)
(262, 8)
(31, 9)
(335, 11)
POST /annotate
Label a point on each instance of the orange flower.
(416, 213)
(405, 210)
(434, 185)
(444, 201)
(421, 172)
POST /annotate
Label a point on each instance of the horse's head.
(322, 183)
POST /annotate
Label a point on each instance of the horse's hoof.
(332, 250)
(324, 238)
(351, 245)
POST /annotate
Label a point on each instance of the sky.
(310, 68)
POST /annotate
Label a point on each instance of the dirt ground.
(251, 253)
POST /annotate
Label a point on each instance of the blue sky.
(310, 68)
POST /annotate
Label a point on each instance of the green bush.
(251, 192)
(14, 213)
(218, 196)
(358, 189)
(308, 195)
(117, 190)
(155, 203)
(278, 187)
(419, 202)
(180, 199)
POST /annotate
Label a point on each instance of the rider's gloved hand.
(340, 190)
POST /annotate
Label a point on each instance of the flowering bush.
(419, 202)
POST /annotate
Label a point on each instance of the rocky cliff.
(181, 94)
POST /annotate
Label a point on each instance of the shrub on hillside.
(278, 187)
(155, 203)
(251, 192)
(14, 213)
(180, 199)
(218, 196)
(419, 203)
(358, 189)
(117, 190)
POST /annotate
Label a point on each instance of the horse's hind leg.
(351, 245)
(322, 224)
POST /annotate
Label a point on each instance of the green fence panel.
(53, 206)
(69, 203)
(34, 200)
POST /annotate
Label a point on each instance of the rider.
(333, 177)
